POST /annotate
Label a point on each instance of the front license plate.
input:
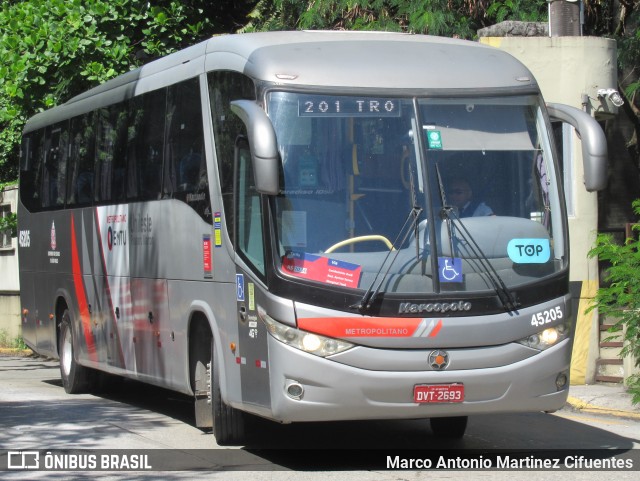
(438, 393)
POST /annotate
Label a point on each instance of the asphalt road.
(36, 414)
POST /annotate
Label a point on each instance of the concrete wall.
(10, 325)
(9, 281)
(571, 70)
(566, 68)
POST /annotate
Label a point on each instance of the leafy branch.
(619, 300)
(9, 223)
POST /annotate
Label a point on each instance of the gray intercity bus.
(271, 223)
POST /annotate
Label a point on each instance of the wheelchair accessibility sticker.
(450, 269)
(239, 287)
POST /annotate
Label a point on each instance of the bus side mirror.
(263, 144)
(594, 143)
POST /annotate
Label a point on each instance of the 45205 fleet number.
(547, 316)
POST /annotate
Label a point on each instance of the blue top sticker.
(529, 251)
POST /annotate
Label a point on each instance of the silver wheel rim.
(67, 353)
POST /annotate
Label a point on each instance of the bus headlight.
(545, 339)
(303, 340)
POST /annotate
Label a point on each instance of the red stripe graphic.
(436, 329)
(341, 327)
(108, 288)
(81, 295)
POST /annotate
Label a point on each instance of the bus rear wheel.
(228, 422)
(76, 379)
(450, 428)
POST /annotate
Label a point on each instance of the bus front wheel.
(228, 422)
(75, 378)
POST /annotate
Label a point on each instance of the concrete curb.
(580, 405)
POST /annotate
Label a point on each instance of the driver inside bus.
(461, 197)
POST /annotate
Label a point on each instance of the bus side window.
(248, 209)
(223, 88)
(119, 180)
(55, 165)
(30, 170)
(185, 169)
(110, 155)
(81, 169)
(145, 161)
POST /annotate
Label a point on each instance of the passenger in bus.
(460, 195)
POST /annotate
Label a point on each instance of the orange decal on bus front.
(342, 327)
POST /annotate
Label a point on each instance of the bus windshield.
(419, 195)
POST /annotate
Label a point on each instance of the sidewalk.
(609, 399)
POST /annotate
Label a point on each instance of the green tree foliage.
(619, 299)
(9, 224)
(51, 50)
(629, 52)
(619, 20)
(459, 18)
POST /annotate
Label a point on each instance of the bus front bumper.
(332, 391)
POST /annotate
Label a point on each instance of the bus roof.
(369, 60)
(325, 59)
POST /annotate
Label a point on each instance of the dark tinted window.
(80, 176)
(30, 170)
(148, 148)
(223, 88)
(185, 143)
(146, 142)
(56, 148)
(185, 169)
(249, 238)
(111, 125)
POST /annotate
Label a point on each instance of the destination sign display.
(330, 106)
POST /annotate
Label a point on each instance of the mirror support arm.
(594, 143)
(263, 144)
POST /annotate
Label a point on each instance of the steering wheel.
(362, 238)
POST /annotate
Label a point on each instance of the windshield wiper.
(452, 219)
(503, 292)
(370, 295)
(445, 212)
(416, 210)
(414, 214)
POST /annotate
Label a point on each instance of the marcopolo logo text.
(409, 308)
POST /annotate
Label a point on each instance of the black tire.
(76, 379)
(228, 422)
(450, 428)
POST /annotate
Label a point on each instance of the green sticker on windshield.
(434, 139)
